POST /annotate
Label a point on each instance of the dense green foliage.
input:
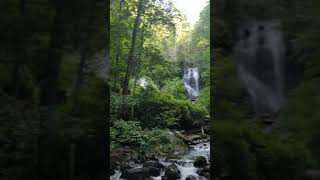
(163, 45)
(130, 133)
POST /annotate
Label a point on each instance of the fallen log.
(185, 140)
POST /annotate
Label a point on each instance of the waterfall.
(259, 55)
(191, 82)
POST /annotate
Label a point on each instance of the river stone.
(153, 164)
(153, 171)
(191, 177)
(204, 172)
(172, 173)
(136, 174)
(200, 161)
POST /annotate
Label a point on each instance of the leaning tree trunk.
(49, 94)
(83, 55)
(130, 62)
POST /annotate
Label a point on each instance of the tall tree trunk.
(137, 68)
(50, 82)
(138, 65)
(116, 70)
(130, 62)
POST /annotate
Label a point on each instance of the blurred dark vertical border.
(108, 104)
(54, 92)
(265, 89)
(211, 90)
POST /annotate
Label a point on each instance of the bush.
(155, 136)
(130, 133)
(165, 111)
(126, 133)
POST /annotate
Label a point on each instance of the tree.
(130, 62)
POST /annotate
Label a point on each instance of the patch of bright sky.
(191, 8)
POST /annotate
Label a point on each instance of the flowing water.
(259, 54)
(191, 82)
(185, 164)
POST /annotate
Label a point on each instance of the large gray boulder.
(140, 173)
(172, 173)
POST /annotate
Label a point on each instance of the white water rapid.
(185, 164)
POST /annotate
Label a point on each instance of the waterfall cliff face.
(259, 55)
(191, 82)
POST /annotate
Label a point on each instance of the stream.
(185, 164)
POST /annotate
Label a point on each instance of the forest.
(274, 128)
(155, 118)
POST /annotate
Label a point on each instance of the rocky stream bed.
(192, 165)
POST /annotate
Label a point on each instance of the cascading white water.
(191, 82)
(259, 55)
(185, 164)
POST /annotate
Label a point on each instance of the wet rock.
(126, 166)
(112, 171)
(176, 161)
(140, 173)
(200, 161)
(120, 158)
(150, 157)
(204, 172)
(153, 164)
(153, 171)
(191, 177)
(172, 173)
(137, 173)
(141, 158)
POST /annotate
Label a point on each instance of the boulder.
(140, 173)
(191, 177)
(153, 164)
(172, 173)
(205, 172)
(200, 162)
(153, 171)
